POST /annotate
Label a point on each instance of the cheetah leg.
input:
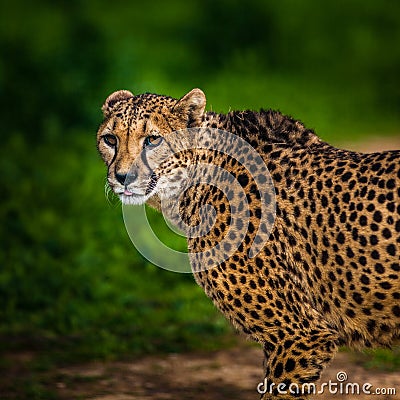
(297, 363)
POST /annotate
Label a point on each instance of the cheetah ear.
(114, 98)
(191, 107)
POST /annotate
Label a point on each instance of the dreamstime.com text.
(341, 386)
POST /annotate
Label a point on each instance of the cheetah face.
(134, 142)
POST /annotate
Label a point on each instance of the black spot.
(247, 298)
(232, 278)
(349, 252)
(380, 296)
(261, 299)
(391, 206)
(243, 180)
(350, 313)
(362, 260)
(385, 285)
(377, 216)
(371, 325)
(379, 268)
(395, 267)
(339, 259)
(381, 198)
(386, 233)
(337, 188)
(292, 241)
(373, 239)
(371, 194)
(346, 176)
(278, 370)
(288, 344)
(290, 365)
(259, 262)
(340, 238)
(374, 227)
(303, 362)
(391, 249)
(391, 184)
(268, 312)
(375, 255)
(324, 257)
(357, 298)
(346, 197)
(363, 220)
(364, 279)
(376, 167)
(396, 310)
(251, 227)
(254, 314)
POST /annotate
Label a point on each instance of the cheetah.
(327, 276)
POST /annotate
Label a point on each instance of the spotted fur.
(329, 274)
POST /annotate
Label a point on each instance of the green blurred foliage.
(68, 272)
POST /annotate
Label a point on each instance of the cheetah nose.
(121, 178)
(126, 179)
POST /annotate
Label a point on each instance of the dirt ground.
(225, 374)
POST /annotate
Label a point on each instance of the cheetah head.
(133, 142)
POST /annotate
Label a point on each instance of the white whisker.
(109, 194)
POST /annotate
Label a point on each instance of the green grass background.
(71, 283)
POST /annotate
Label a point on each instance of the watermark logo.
(228, 167)
(341, 386)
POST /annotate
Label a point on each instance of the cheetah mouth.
(130, 196)
(132, 199)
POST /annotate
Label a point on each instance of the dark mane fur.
(269, 125)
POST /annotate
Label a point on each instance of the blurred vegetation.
(70, 280)
(382, 359)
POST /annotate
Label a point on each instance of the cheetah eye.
(110, 140)
(152, 141)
